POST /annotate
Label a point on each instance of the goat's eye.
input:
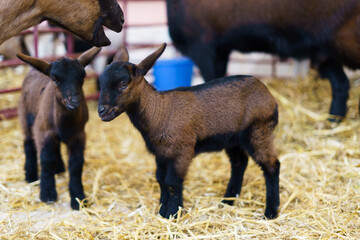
(56, 81)
(122, 85)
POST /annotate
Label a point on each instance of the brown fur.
(52, 110)
(39, 92)
(236, 113)
(82, 17)
(325, 32)
(175, 120)
(337, 21)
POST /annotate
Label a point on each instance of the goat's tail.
(275, 117)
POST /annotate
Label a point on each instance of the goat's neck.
(149, 111)
(16, 16)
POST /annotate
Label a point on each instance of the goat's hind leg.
(262, 151)
(31, 167)
(340, 88)
(31, 164)
(239, 161)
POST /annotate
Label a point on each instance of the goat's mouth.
(109, 114)
(99, 38)
(70, 105)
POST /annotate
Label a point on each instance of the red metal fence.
(12, 112)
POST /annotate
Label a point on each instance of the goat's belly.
(219, 142)
(284, 42)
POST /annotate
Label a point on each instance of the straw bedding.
(319, 181)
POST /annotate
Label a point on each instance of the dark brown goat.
(235, 113)
(85, 18)
(52, 110)
(326, 32)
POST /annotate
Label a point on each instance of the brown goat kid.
(52, 110)
(85, 18)
(235, 113)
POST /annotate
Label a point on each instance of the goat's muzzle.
(114, 20)
(108, 113)
(72, 103)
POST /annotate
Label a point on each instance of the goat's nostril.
(101, 109)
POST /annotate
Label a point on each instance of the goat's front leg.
(161, 166)
(174, 187)
(48, 159)
(60, 167)
(76, 148)
(175, 174)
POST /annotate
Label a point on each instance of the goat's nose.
(101, 108)
(75, 99)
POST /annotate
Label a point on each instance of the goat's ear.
(121, 55)
(40, 65)
(150, 60)
(86, 57)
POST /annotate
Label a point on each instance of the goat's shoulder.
(33, 90)
(35, 82)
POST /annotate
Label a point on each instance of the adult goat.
(326, 32)
(84, 18)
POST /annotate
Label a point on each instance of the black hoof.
(163, 210)
(31, 178)
(335, 119)
(271, 214)
(228, 202)
(48, 197)
(168, 214)
(75, 205)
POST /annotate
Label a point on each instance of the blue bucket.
(173, 73)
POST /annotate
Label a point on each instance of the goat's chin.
(71, 107)
(99, 38)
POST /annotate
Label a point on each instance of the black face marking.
(113, 81)
(112, 15)
(115, 74)
(68, 75)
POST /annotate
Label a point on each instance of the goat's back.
(228, 104)
(309, 15)
(300, 28)
(33, 89)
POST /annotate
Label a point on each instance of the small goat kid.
(235, 113)
(52, 110)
